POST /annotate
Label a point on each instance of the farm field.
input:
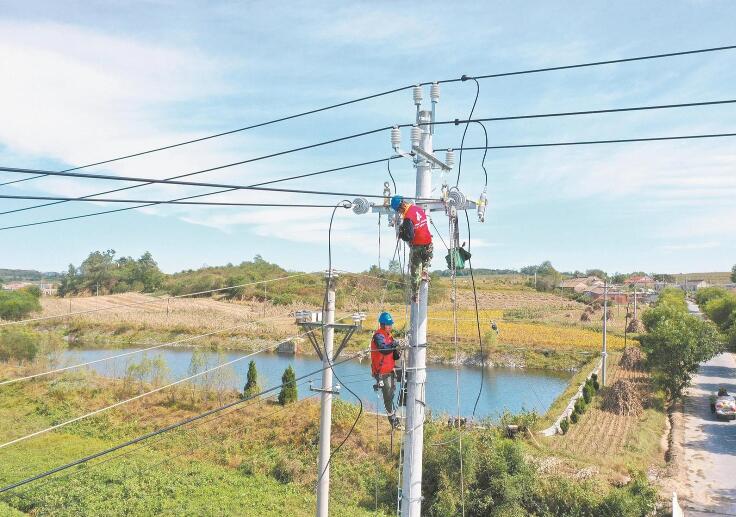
(614, 442)
(542, 323)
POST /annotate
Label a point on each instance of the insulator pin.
(482, 203)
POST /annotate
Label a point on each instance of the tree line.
(102, 273)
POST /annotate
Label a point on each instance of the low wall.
(555, 427)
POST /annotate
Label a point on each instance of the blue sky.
(86, 81)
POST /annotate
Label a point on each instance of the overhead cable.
(388, 92)
(164, 202)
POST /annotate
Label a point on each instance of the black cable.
(592, 142)
(388, 167)
(512, 146)
(395, 90)
(200, 203)
(329, 359)
(243, 162)
(585, 112)
(477, 322)
(161, 431)
(187, 183)
(465, 131)
(608, 62)
(147, 181)
(485, 152)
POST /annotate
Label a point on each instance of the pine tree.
(251, 385)
(288, 390)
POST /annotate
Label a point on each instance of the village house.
(694, 284)
(615, 295)
(580, 285)
(643, 281)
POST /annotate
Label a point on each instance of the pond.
(511, 389)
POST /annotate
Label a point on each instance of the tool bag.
(459, 256)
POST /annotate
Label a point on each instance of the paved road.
(710, 444)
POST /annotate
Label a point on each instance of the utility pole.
(411, 490)
(635, 313)
(325, 419)
(605, 330)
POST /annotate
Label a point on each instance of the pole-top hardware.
(418, 94)
(331, 273)
(361, 205)
(434, 92)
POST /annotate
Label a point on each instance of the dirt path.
(708, 486)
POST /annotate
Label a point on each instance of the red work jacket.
(418, 217)
(382, 363)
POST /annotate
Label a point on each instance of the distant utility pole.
(327, 324)
(605, 331)
(635, 313)
(325, 418)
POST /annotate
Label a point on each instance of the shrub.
(720, 310)
(16, 305)
(580, 406)
(18, 344)
(588, 392)
(288, 392)
(251, 384)
(564, 425)
(526, 420)
(574, 417)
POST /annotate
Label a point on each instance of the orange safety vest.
(382, 363)
(418, 217)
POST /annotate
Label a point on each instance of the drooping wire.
(344, 203)
(388, 168)
(477, 322)
(465, 131)
(485, 152)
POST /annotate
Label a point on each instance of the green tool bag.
(459, 255)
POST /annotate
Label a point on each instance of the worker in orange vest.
(414, 229)
(384, 353)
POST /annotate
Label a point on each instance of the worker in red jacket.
(384, 353)
(415, 230)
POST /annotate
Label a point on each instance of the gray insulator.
(456, 199)
(360, 205)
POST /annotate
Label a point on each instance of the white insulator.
(416, 135)
(434, 92)
(360, 205)
(482, 203)
(450, 158)
(395, 137)
(418, 94)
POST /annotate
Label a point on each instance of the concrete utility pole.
(605, 330)
(411, 490)
(325, 420)
(635, 313)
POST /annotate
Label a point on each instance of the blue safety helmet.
(385, 319)
(396, 202)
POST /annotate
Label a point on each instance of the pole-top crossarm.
(311, 326)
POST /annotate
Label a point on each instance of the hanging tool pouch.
(459, 256)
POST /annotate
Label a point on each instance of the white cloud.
(690, 246)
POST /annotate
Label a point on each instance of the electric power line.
(388, 92)
(164, 202)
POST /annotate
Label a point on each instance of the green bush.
(251, 384)
(288, 392)
(722, 310)
(588, 392)
(580, 406)
(16, 305)
(574, 417)
(564, 425)
(18, 345)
